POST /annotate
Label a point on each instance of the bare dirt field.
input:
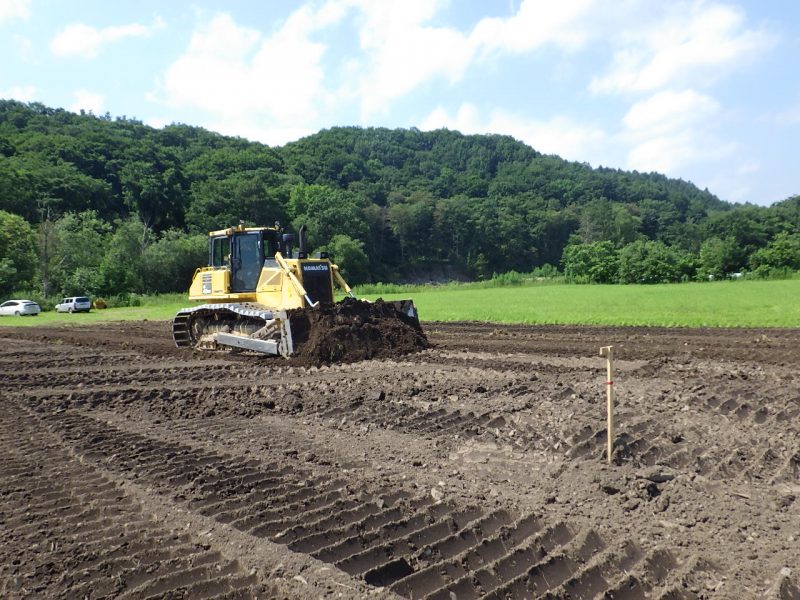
(474, 469)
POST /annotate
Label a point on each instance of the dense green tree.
(597, 222)
(648, 261)
(781, 253)
(718, 258)
(749, 227)
(120, 268)
(551, 231)
(167, 264)
(222, 162)
(349, 256)
(420, 202)
(17, 252)
(153, 189)
(454, 229)
(79, 242)
(255, 197)
(82, 281)
(326, 212)
(596, 262)
(412, 224)
(26, 180)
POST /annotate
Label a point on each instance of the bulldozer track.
(459, 472)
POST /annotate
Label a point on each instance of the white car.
(74, 304)
(20, 308)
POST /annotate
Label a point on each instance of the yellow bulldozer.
(254, 285)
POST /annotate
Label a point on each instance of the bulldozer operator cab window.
(246, 261)
(220, 252)
(271, 245)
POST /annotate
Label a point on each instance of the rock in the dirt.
(437, 494)
(656, 474)
(784, 501)
(378, 396)
(631, 504)
(609, 488)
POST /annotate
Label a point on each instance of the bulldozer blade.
(247, 343)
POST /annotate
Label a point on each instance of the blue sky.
(708, 91)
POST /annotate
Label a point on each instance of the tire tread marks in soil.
(117, 401)
(415, 546)
(86, 538)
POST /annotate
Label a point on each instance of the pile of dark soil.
(353, 330)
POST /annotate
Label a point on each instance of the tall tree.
(17, 252)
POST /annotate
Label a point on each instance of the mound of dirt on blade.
(353, 330)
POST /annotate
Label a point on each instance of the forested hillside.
(108, 205)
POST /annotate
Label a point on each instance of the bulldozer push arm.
(340, 280)
(293, 279)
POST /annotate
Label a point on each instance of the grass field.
(719, 304)
(154, 308)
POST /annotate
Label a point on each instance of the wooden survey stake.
(608, 352)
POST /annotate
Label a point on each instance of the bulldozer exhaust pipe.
(301, 241)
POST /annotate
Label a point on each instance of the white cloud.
(280, 85)
(559, 135)
(86, 41)
(214, 72)
(404, 52)
(23, 93)
(670, 154)
(244, 79)
(534, 24)
(659, 45)
(272, 134)
(692, 43)
(669, 110)
(671, 130)
(88, 101)
(11, 10)
(733, 186)
(264, 88)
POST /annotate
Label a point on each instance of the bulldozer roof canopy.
(239, 229)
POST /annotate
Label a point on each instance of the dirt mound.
(353, 330)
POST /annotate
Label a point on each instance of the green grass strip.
(717, 304)
(149, 312)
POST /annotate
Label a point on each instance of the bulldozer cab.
(243, 252)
